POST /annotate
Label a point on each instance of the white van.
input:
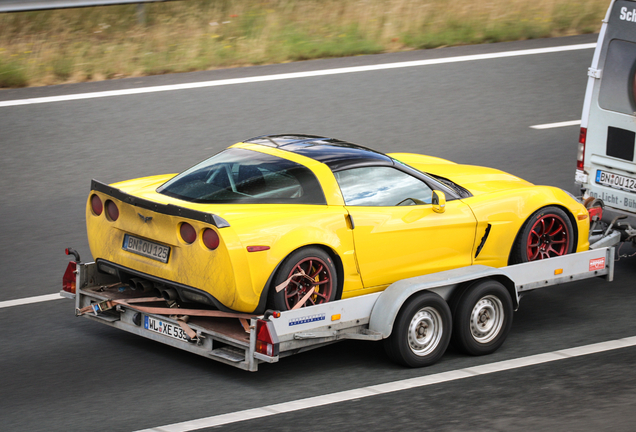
(606, 168)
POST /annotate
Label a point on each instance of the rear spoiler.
(167, 209)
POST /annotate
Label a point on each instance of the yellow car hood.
(478, 180)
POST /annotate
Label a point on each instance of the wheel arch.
(338, 264)
(262, 304)
(502, 279)
(445, 284)
(575, 229)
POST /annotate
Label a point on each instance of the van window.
(618, 92)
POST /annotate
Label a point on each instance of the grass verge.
(89, 44)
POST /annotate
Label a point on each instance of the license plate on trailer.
(616, 181)
(164, 328)
(146, 248)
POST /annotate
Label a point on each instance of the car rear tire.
(546, 234)
(319, 273)
(421, 332)
(482, 318)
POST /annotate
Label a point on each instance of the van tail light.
(580, 157)
(68, 280)
(266, 338)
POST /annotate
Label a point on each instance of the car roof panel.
(336, 154)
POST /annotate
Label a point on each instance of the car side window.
(382, 186)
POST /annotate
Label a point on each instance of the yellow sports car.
(284, 221)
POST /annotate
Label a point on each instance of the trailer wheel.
(547, 233)
(304, 269)
(483, 317)
(421, 331)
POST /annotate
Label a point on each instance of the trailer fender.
(391, 300)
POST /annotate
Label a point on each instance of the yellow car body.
(371, 246)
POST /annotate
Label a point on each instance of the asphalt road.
(58, 372)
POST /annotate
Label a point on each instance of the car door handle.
(349, 220)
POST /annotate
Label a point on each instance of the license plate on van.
(146, 248)
(616, 181)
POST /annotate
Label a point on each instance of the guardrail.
(34, 5)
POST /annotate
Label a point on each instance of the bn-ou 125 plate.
(146, 248)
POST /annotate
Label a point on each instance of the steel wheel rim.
(486, 319)
(549, 237)
(317, 275)
(425, 331)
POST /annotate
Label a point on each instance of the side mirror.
(439, 201)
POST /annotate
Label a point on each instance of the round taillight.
(112, 211)
(96, 205)
(188, 233)
(210, 239)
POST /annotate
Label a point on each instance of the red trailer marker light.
(266, 339)
(68, 280)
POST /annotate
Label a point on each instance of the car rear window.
(246, 176)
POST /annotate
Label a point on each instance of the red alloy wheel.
(549, 237)
(317, 275)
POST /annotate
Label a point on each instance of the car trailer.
(415, 317)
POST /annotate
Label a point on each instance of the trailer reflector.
(558, 272)
(336, 317)
(68, 280)
(266, 338)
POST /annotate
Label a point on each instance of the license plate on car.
(164, 328)
(146, 248)
(616, 181)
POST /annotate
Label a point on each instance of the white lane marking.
(557, 125)
(285, 76)
(359, 393)
(29, 300)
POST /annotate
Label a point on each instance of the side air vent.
(483, 240)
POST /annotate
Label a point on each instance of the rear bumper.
(186, 293)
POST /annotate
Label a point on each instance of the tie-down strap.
(181, 315)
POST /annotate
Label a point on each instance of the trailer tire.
(421, 332)
(314, 262)
(482, 318)
(547, 233)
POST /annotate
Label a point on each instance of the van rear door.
(607, 165)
